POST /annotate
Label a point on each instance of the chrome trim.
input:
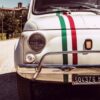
(60, 66)
(41, 65)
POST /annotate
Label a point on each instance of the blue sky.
(13, 3)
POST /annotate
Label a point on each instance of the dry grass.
(2, 36)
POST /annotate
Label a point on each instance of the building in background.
(19, 8)
(12, 20)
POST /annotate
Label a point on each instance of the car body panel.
(54, 44)
(63, 32)
(51, 22)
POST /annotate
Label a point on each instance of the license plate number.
(85, 79)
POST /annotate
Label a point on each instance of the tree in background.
(13, 23)
(9, 24)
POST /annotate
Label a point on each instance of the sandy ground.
(7, 56)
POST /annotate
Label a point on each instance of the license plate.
(85, 79)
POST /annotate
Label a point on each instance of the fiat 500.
(61, 42)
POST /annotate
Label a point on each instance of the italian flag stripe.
(64, 38)
(74, 37)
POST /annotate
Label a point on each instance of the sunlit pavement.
(7, 56)
(8, 81)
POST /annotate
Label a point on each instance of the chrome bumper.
(38, 67)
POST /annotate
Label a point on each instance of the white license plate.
(85, 79)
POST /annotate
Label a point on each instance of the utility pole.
(21, 22)
(2, 21)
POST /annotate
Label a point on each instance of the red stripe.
(74, 37)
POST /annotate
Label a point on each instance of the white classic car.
(61, 42)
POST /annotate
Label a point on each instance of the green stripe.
(65, 78)
(64, 39)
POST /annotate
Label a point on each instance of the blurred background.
(13, 15)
